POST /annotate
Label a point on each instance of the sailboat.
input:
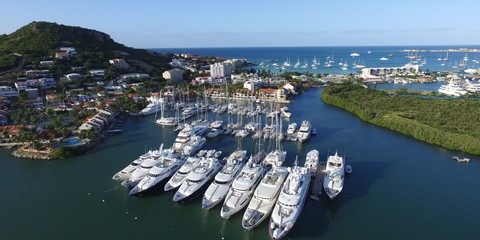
(165, 121)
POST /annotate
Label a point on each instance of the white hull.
(290, 203)
(264, 198)
(242, 189)
(197, 178)
(217, 191)
(179, 177)
(334, 176)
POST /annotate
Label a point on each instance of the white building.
(370, 73)
(73, 76)
(47, 63)
(252, 85)
(134, 76)
(119, 63)
(174, 75)
(221, 69)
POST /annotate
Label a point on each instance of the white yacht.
(355, 54)
(178, 178)
(292, 127)
(218, 189)
(275, 157)
(242, 133)
(194, 145)
(472, 87)
(167, 121)
(153, 107)
(182, 138)
(216, 124)
(383, 59)
(189, 112)
(334, 175)
(290, 202)
(167, 166)
(213, 133)
(198, 177)
(242, 189)
(452, 89)
(285, 112)
(128, 170)
(305, 131)
(144, 168)
(311, 161)
(264, 197)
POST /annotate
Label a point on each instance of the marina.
(381, 166)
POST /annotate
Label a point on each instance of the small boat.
(285, 112)
(461, 160)
(213, 133)
(292, 127)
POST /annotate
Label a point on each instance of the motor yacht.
(290, 202)
(144, 168)
(292, 127)
(311, 161)
(178, 178)
(242, 189)
(194, 145)
(452, 89)
(167, 166)
(334, 175)
(264, 197)
(198, 177)
(128, 170)
(305, 131)
(217, 191)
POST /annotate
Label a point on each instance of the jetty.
(317, 186)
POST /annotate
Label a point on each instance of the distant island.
(450, 123)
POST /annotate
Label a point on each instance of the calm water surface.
(400, 188)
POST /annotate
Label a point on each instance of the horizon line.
(420, 45)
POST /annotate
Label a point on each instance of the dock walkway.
(318, 182)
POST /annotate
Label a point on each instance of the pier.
(317, 186)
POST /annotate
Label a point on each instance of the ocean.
(400, 188)
(398, 57)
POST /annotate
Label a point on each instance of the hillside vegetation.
(450, 123)
(39, 41)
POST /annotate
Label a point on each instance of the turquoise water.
(400, 188)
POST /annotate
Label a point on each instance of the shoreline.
(398, 122)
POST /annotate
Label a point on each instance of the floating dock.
(317, 186)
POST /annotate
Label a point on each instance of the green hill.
(39, 41)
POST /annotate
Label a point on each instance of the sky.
(259, 23)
